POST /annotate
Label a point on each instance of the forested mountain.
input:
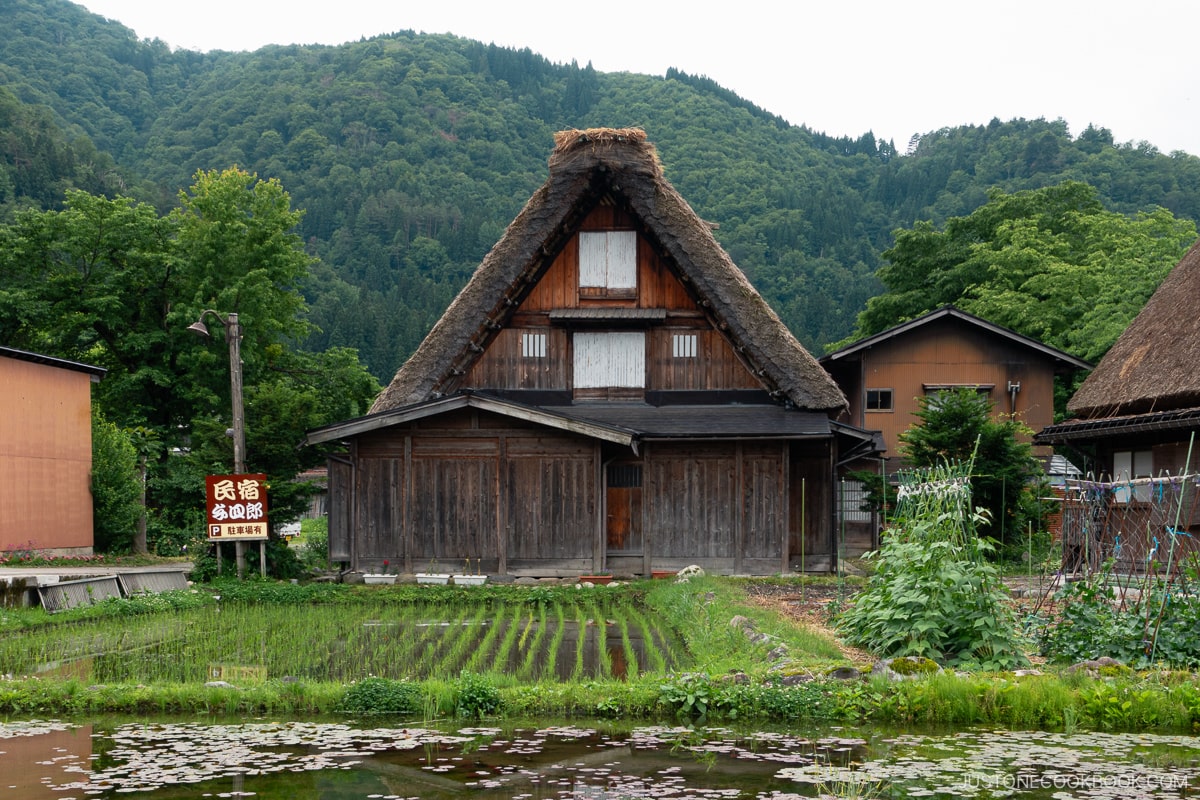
(410, 153)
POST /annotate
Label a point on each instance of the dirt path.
(809, 606)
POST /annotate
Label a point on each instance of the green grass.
(518, 647)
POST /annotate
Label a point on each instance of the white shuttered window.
(608, 259)
(610, 360)
(683, 345)
(533, 345)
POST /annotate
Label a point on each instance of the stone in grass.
(905, 668)
(220, 685)
(690, 571)
(1103, 667)
(843, 674)
(744, 623)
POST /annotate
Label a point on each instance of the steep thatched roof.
(585, 167)
(1152, 365)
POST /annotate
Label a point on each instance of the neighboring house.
(608, 392)
(884, 376)
(1137, 415)
(45, 453)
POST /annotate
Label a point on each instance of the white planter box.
(433, 577)
(378, 578)
(470, 580)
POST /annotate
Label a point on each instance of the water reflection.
(299, 760)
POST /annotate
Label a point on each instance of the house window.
(934, 392)
(533, 345)
(683, 345)
(879, 400)
(608, 262)
(610, 360)
(1130, 466)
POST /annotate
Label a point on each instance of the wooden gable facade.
(885, 376)
(45, 453)
(608, 392)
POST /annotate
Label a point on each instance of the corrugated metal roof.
(1086, 429)
(152, 582)
(83, 592)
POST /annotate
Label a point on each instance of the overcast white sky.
(839, 66)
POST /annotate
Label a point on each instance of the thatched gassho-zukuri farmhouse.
(608, 391)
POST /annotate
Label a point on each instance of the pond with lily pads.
(58, 760)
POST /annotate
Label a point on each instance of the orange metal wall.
(45, 456)
(937, 355)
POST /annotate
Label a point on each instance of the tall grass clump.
(933, 593)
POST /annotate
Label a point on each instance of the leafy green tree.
(1051, 263)
(113, 283)
(116, 487)
(957, 427)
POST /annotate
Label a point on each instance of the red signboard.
(237, 507)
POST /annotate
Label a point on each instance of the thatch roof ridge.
(1151, 366)
(627, 164)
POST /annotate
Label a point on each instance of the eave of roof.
(507, 408)
(51, 361)
(1052, 353)
(703, 422)
(1080, 430)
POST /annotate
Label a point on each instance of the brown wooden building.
(45, 453)
(608, 392)
(1136, 414)
(884, 376)
(1134, 432)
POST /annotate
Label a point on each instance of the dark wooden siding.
(720, 505)
(764, 500)
(341, 513)
(691, 503)
(810, 507)
(472, 485)
(551, 497)
(502, 365)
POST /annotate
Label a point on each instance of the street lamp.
(233, 334)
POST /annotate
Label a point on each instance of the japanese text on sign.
(237, 506)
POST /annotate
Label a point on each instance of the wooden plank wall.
(473, 485)
(716, 365)
(720, 505)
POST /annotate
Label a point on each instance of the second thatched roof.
(1153, 364)
(586, 166)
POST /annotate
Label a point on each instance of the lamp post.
(233, 335)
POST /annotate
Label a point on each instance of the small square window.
(879, 399)
(683, 345)
(533, 345)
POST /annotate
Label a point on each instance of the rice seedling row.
(565, 641)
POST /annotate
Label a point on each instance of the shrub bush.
(382, 696)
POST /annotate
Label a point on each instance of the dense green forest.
(408, 154)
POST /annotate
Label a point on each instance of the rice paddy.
(527, 643)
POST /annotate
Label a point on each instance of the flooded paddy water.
(55, 760)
